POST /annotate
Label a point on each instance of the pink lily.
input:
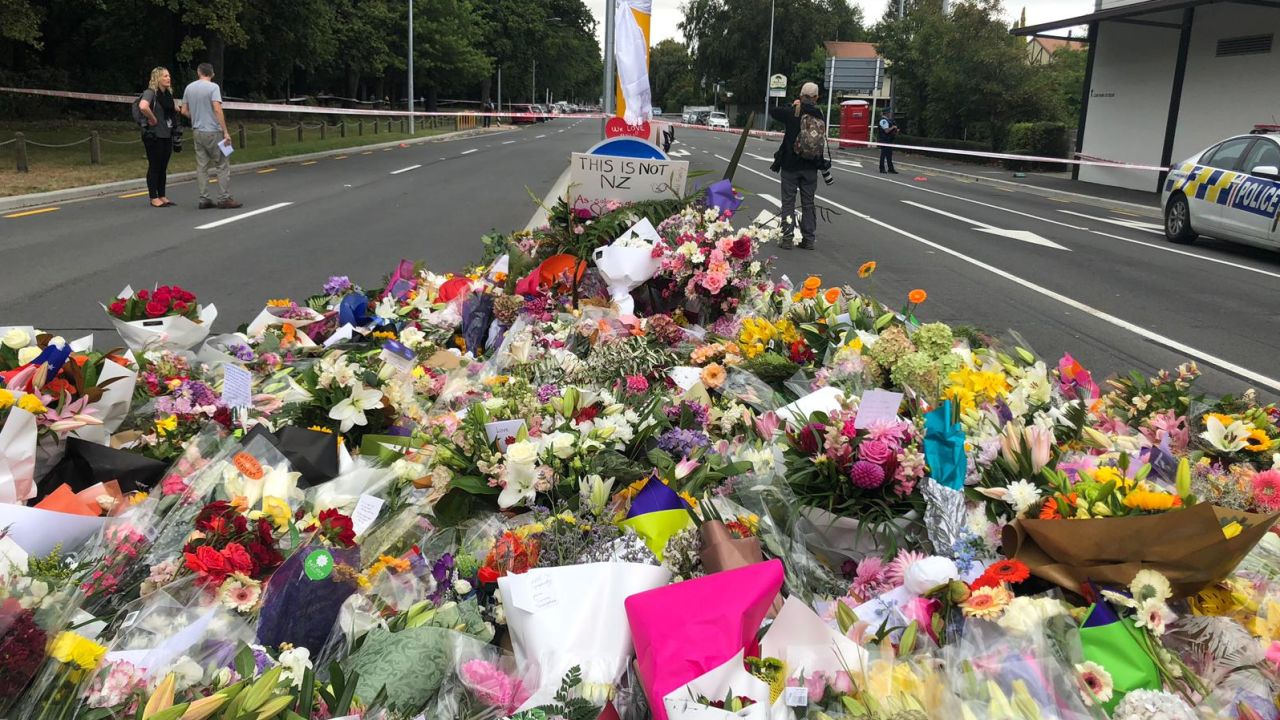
(73, 416)
(685, 467)
(767, 425)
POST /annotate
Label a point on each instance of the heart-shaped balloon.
(618, 127)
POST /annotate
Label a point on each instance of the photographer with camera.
(156, 114)
(802, 154)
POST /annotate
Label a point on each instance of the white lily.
(351, 411)
(1227, 438)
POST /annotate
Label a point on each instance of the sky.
(667, 14)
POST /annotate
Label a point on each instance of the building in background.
(1040, 49)
(1168, 78)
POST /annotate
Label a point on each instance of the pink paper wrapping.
(682, 631)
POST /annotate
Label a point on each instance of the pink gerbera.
(869, 580)
(896, 573)
(1266, 490)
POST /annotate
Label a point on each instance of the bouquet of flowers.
(167, 317)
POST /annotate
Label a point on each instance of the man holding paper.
(202, 103)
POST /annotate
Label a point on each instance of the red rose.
(181, 307)
(487, 575)
(240, 523)
(143, 294)
(208, 562)
(182, 294)
(264, 556)
(238, 558)
(741, 248)
(155, 309)
(117, 307)
(163, 294)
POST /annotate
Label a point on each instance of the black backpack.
(138, 117)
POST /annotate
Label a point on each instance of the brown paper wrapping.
(1186, 546)
(722, 551)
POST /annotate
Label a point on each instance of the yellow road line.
(311, 162)
(25, 213)
(264, 171)
(341, 157)
(213, 181)
(367, 152)
(132, 195)
(1124, 212)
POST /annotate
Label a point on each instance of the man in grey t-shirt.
(202, 103)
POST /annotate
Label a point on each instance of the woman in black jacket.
(799, 174)
(161, 117)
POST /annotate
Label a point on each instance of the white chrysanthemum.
(1022, 495)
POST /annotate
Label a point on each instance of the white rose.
(522, 453)
(562, 444)
(16, 339)
(28, 354)
(461, 586)
(493, 404)
(929, 573)
(413, 338)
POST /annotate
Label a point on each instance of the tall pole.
(610, 8)
(768, 73)
(411, 103)
(533, 88)
(831, 91)
(499, 89)
(893, 79)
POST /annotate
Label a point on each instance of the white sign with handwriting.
(594, 180)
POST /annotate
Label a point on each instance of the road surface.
(1097, 281)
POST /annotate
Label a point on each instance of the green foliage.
(672, 77)
(1046, 139)
(566, 706)
(21, 21)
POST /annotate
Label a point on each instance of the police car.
(1230, 191)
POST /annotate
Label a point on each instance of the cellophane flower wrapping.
(173, 332)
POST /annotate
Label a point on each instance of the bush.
(1046, 139)
(945, 144)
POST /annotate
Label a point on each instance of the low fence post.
(20, 150)
(342, 129)
(323, 126)
(360, 127)
(95, 148)
(375, 126)
(240, 132)
(404, 125)
(299, 131)
(273, 134)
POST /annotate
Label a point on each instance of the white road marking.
(405, 170)
(539, 137)
(1023, 235)
(241, 216)
(850, 163)
(508, 142)
(1166, 248)
(1103, 316)
(679, 153)
(761, 157)
(1131, 224)
(771, 199)
(468, 152)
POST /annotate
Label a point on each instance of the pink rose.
(876, 451)
(713, 282)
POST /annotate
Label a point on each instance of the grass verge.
(123, 157)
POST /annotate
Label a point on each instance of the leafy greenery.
(566, 706)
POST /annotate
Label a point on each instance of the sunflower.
(1257, 441)
(865, 270)
(917, 296)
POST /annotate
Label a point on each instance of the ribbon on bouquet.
(631, 52)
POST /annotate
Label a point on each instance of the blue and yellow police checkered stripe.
(1203, 183)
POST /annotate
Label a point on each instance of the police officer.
(888, 132)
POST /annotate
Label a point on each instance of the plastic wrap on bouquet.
(657, 514)
(118, 383)
(628, 263)
(174, 332)
(172, 624)
(273, 316)
(85, 463)
(834, 538)
(310, 452)
(685, 630)
(304, 596)
(730, 679)
(807, 644)
(1189, 547)
(1114, 644)
(411, 665)
(944, 515)
(574, 615)
(17, 457)
(218, 350)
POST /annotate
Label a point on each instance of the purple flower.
(337, 284)
(699, 411)
(682, 442)
(243, 353)
(867, 475)
(547, 392)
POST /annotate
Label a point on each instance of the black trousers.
(886, 156)
(159, 150)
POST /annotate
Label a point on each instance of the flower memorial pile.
(642, 479)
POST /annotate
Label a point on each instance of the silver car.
(1230, 191)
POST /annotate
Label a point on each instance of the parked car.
(718, 120)
(657, 111)
(1230, 191)
(520, 114)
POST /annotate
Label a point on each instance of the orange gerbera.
(865, 270)
(813, 282)
(833, 296)
(713, 376)
(917, 296)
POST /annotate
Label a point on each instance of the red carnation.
(808, 439)
(487, 575)
(265, 557)
(156, 309)
(336, 528)
(238, 558)
(22, 644)
(586, 414)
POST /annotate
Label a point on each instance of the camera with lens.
(825, 169)
(176, 134)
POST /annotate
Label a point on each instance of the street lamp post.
(606, 98)
(411, 103)
(768, 75)
(533, 88)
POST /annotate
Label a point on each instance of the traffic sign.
(859, 74)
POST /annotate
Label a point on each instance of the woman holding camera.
(158, 134)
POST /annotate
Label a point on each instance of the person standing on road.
(202, 102)
(888, 132)
(160, 115)
(487, 109)
(798, 165)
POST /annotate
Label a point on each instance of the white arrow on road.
(1024, 235)
(760, 157)
(849, 163)
(679, 153)
(1152, 228)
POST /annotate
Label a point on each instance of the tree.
(21, 21)
(671, 75)
(1066, 75)
(447, 47)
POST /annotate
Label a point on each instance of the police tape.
(301, 109)
(1081, 160)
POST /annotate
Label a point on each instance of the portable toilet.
(855, 121)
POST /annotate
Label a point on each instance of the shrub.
(1046, 139)
(945, 144)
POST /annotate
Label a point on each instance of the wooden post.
(240, 132)
(20, 149)
(95, 148)
(375, 126)
(299, 131)
(404, 125)
(323, 126)
(273, 134)
(342, 129)
(360, 127)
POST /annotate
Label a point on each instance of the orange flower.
(865, 270)
(917, 296)
(813, 282)
(832, 296)
(713, 375)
